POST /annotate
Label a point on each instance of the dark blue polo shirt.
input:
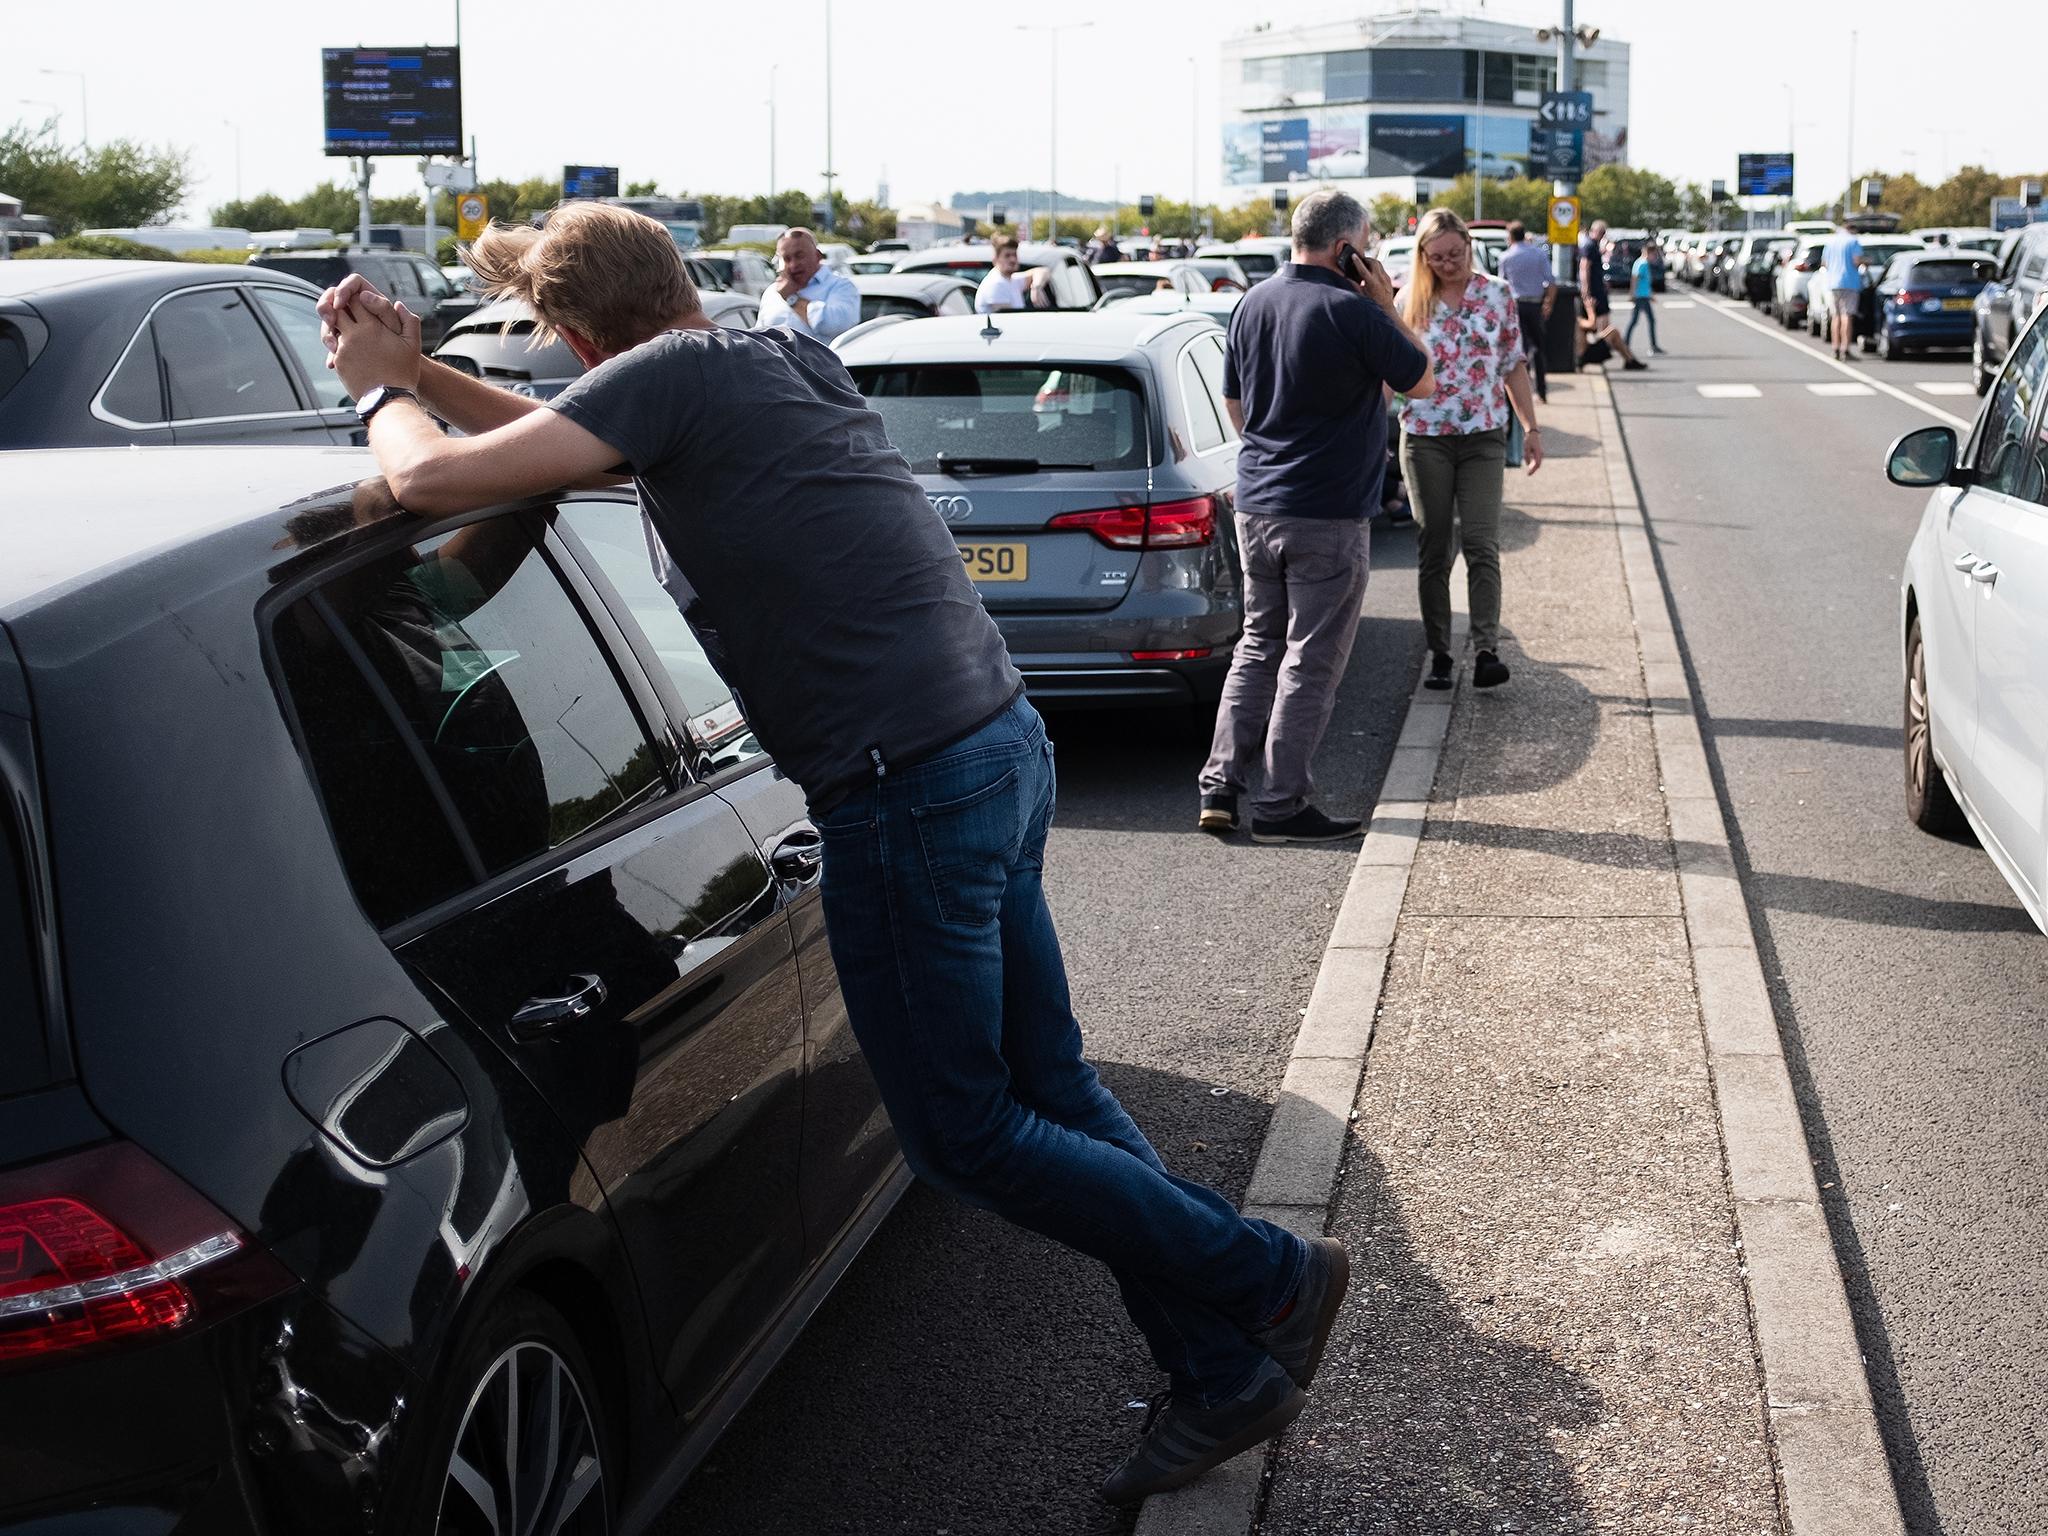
(1308, 353)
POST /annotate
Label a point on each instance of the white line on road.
(1677, 304)
(1728, 391)
(1946, 387)
(1840, 390)
(1729, 311)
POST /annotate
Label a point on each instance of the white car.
(1789, 288)
(1339, 165)
(1397, 254)
(1974, 625)
(1877, 255)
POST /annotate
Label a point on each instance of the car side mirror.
(1923, 458)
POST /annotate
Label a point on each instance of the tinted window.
(320, 271)
(873, 305)
(1084, 418)
(1419, 74)
(1257, 264)
(216, 359)
(633, 561)
(1209, 358)
(2036, 263)
(21, 1006)
(21, 341)
(400, 279)
(488, 695)
(135, 392)
(1124, 285)
(1945, 272)
(1201, 409)
(2008, 460)
(299, 324)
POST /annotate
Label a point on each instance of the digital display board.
(1415, 144)
(392, 101)
(589, 182)
(1763, 175)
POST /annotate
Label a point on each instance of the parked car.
(417, 1036)
(406, 276)
(871, 266)
(1720, 263)
(1260, 255)
(496, 344)
(747, 272)
(1623, 247)
(1928, 299)
(1397, 254)
(162, 352)
(2017, 289)
(1128, 279)
(1790, 283)
(1974, 624)
(1961, 237)
(1086, 464)
(1878, 252)
(1072, 280)
(1217, 306)
(918, 295)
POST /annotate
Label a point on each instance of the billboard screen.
(1415, 144)
(1763, 175)
(1283, 149)
(1240, 154)
(392, 101)
(589, 182)
(1336, 146)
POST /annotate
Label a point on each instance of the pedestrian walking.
(1454, 442)
(1525, 268)
(1102, 246)
(1642, 278)
(1841, 257)
(807, 294)
(831, 596)
(1312, 351)
(1593, 291)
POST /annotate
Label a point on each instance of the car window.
(403, 279)
(1056, 416)
(299, 324)
(432, 284)
(875, 304)
(136, 392)
(1943, 271)
(1209, 358)
(1200, 406)
(459, 715)
(956, 302)
(635, 564)
(1073, 286)
(2036, 263)
(216, 359)
(2008, 460)
(21, 1004)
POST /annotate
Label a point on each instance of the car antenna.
(988, 329)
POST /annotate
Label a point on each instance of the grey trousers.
(1304, 582)
(1454, 482)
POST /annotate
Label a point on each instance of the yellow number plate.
(996, 562)
(1958, 304)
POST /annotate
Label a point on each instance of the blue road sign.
(1559, 153)
(1566, 109)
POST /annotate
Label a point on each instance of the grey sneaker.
(1183, 1440)
(1297, 1340)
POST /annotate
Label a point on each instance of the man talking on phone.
(1313, 351)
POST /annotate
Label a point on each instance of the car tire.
(1929, 804)
(1980, 373)
(522, 1359)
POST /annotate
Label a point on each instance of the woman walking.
(1454, 444)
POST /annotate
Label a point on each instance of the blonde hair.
(1420, 296)
(611, 275)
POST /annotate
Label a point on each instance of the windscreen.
(1048, 415)
(320, 271)
(1257, 264)
(1124, 285)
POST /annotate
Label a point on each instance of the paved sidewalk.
(1548, 1329)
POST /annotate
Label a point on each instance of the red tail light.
(107, 1246)
(1164, 525)
(1195, 655)
(1912, 295)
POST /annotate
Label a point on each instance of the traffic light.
(998, 215)
(1147, 206)
(1279, 199)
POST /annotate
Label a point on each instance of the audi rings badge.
(954, 509)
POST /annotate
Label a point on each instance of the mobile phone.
(1350, 263)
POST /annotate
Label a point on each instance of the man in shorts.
(1842, 259)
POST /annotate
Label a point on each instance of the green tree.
(115, 185)
(642, 189)
(1390, 214)
(1521, 198)
(1629, 197)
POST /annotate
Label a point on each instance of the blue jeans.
(1644, 310)
(935, 908)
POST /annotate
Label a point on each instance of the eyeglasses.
(1448, 258)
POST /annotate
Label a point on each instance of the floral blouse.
(1473, 346)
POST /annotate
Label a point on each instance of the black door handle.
(539, 1016)
(798, 856)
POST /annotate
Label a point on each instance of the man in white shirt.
(808, 296)
(1005, 287)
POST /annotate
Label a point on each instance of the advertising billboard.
(1283, 149)
(1763, 175)
(392, 101)
(589, 182)
(1336, 146)
(1497, 146)
(1240, 154)
(1415, 144)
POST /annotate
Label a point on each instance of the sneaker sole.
(1217, 821)
(1257, 1432)
(1333, 1303)
(1318, 837)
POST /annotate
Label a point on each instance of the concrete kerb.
(1833, 1475)
(1295, 1177)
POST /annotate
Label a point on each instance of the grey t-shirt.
(827, 592)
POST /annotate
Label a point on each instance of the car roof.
(1144, 268)
(1085, 336)
(28, 279)
(907, 284)
(1028, 250)
(75, 514)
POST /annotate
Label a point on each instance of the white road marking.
(1728, 391)
(1841, 389)
(1945, 387)
(1676, 304)
(1732, 312)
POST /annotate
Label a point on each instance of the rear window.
(875, 305)
(1056, 416)
(1257, 263)
(1124, 285)
(1948, 272)
(320, 271)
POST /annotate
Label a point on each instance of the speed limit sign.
(1564, 221)
(472, 212)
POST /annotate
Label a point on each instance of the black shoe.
(1488, 671)
(1307, 825)
(1219, 812)
(1184, 1440)
(1635, 365)
(1297, 1340)
(1439, 671)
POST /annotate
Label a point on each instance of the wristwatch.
(381, 396)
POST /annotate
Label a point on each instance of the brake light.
(106, 1246)
(1164, 525)
(1194, 655)
(1912, 295)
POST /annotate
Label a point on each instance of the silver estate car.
(1085, 463)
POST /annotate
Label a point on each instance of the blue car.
(1928, 299)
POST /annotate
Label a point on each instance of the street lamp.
(1054, 29)
(771, 136)
(1194, 152)
(84, 127)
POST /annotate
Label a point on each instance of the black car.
(426, 1101)
(403, 275)
(2008, 302)
(161, 352)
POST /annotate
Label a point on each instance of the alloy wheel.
(526, 1460)
(1919, 746)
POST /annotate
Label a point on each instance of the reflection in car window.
(486, 699)
(135, 392)
(1209, 358)
(2007, 461)
(297, 319)
(634, 562)
(1201, 409)
(1064, 417)
(217, 361)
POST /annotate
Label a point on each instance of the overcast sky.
(941, 95)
